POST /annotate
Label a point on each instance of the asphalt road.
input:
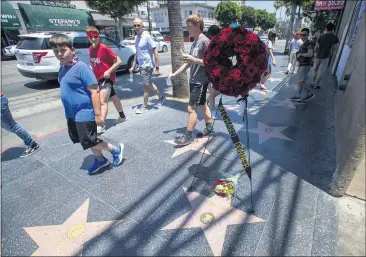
(14, 84)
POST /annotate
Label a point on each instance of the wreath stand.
(245, 161)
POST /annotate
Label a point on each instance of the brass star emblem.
(68, 238)
(213, 215)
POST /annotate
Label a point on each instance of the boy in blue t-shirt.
(81, 100)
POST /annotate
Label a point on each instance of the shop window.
(81, 42)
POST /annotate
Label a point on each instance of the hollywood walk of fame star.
(68, 238)
(285, 103)
(198, 145)
(266, 132)
(275, 79)
(262, 92)
(213, 215)
(232, 107)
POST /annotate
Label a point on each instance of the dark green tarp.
(48, 18)
(9, 18)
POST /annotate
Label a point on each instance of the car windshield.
(33, 43)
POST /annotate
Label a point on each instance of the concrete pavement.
(51, 206)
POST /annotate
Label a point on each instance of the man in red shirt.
(104, 62)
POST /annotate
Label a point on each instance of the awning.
(48, 18)
(9, 18)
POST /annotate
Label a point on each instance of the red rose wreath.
(251, 61)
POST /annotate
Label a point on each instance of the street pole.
(148, 15)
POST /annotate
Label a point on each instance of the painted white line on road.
(49, 92)
(35, 109)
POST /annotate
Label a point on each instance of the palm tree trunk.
(180, 83)
(290, 27)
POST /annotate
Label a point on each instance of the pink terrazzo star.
(266, 132)
(213, 215)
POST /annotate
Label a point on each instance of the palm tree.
(180, 83)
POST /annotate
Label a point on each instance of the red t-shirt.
(102, 59)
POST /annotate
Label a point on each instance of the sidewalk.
(52, 207)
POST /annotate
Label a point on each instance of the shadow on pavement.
(42, 84)
(12, 153)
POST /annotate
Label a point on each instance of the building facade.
(348, 66)
(160, 17)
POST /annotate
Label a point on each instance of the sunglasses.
(93, 35)
(137, 25)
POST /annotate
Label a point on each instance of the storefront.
(49, 18)
(106, 25)
(10, 25)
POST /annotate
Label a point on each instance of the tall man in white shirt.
(147, 57)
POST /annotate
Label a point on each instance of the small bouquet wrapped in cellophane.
(225, 187)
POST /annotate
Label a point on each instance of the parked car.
(9, 51)
(161, 45)
(36, 59)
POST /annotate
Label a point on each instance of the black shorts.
(197, 94)
(84, 133)
(108, 83)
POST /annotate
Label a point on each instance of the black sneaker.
(31, 150)
(308, 97)
(295, 98)
(312, 85)
(206, 132)
(184, 140)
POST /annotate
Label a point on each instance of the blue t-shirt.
(75, 95)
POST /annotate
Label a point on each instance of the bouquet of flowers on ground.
(225, 187)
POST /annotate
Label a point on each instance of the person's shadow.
(88, 162)
(12, 154)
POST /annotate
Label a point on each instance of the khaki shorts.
(146, 73)
(303, 72)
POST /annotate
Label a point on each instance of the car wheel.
(165, 49)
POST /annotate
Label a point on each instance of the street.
(36, 105)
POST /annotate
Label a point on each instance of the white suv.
(36, 58)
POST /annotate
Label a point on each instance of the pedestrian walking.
(323, 50)
(294, 48)
(9, 124)
(104, 62)
(213, 93)
(80, 95)
(304, 57)
(270, 61)
(147, 57)
(198, 81)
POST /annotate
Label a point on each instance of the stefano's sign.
(64, 22)
(8, 17)
(329, 5)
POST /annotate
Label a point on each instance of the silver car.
(36, 59)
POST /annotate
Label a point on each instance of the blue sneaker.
(98, 165)
(118, 156)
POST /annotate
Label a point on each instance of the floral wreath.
(251, 61)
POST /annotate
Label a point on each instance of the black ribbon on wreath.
(235, 80)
